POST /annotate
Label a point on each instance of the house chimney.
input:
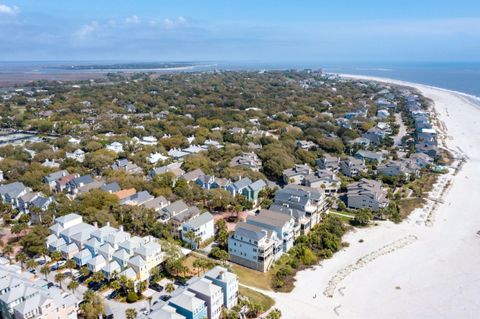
(108, 223)
(121, 227)
(95, 224)
(221, 275)
(290, 211)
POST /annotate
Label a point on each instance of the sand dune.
(425, 267)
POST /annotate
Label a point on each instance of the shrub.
(132, 297)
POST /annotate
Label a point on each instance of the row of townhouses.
(25, 296)
(107, 249)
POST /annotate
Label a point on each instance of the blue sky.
(247, 30)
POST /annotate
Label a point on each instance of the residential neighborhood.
(136, 198)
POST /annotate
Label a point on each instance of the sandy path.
(430, 266)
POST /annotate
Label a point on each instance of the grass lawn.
(251, 277)
(257, 297)
(342, 216)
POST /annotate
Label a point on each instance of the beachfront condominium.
(366, 194)
(24, 296)
(188, 305)
(283, 225)
(206, 290)
(105, 249)
(253, 247)
(228, 281)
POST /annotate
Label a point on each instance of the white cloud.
(174, 23)
(132, 20)
(11, 11)
(86, 30)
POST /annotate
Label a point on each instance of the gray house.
(367, 194)
(352, 166)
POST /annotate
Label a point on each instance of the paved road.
(397, 140)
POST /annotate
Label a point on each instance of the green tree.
(31, 264)
(131, 313)
(93, 306)
(8, 250)
(169, 288)
(70, 264)
(73, 285)
(59, 278)
(45, 270)
(274, 314)
(362, 217)
(21, 257)
(221, 236)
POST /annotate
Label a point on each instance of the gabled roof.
(111, 187)
(97, 260)
(122, 254)
(176, 207)
(258, 185)
(240, 184)
(187, 300)
(125, 193)
(137, 261)
(268, 217)
(200, 220)
(149, 249)
(192, 175)
(203, 286)
(82, 254)
(250, 231)
(13, 189)
(112, 267)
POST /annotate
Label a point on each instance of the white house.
(202, 226)
(115, 147)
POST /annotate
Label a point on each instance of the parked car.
(58, 265)
(155, 286)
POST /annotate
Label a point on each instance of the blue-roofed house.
(12, 192)
(228, 281)
(238, 187)
(189, 306)
(73, 186)
(111, 187)
(205, 181)
(252, 191)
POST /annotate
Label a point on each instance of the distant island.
(127, 66)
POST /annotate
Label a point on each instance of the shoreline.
(424, 276)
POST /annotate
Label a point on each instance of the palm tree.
(56, 256)
(190, 235)
(84, 271)
(72, 285)
(59, 277)
(45, 270)
(197, 264)
(169, 288)
(115, 285)
(21, 257)
(70, 264)
(31, 264)
(98, 277)
(141, 286)
(7, 250)
(131, 313)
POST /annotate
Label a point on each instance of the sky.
(246, 30)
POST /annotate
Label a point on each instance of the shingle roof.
(200, 220)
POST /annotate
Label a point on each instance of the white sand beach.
(417, 269)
